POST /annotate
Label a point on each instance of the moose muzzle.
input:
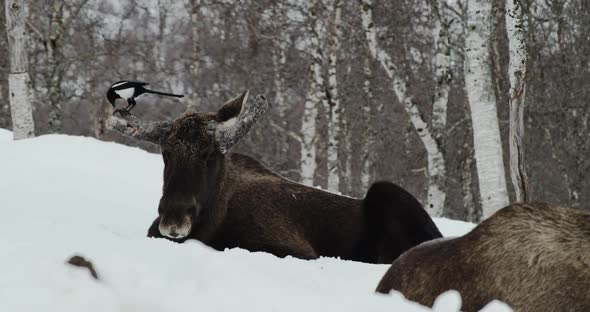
(176, 222)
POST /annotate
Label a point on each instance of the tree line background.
(314, 56)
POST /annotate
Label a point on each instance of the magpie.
(129, 90)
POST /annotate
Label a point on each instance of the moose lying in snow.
(230, 200)
(534, 257)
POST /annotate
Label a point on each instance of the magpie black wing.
(126, 84)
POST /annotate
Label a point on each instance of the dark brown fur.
(233, 201)
(534, 257)
(79, 261)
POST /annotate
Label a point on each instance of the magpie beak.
(128, 91)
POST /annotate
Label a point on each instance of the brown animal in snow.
(533, 257)
(81, 262)
(228, 200)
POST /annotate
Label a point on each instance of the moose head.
(193, 148)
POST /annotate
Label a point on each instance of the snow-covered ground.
(65, 195)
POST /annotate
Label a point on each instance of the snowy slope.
(65, 195)
(5, 135)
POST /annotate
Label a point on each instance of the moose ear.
(232, 108)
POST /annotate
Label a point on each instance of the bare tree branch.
(37, 32)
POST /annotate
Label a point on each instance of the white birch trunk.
(369, 135)
(517, 72)
(482, 102)
(314, 98)
(442, 72)
(334, 105)
(18, 79)
(436, 166)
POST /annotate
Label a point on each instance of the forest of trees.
(360, 91)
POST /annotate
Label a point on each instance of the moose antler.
(227, 136)
(130, 126)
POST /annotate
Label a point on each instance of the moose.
(533, 257)
(228, 200)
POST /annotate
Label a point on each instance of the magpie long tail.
(163, 93)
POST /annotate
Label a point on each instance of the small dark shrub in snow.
(534, 257)
(83, 263)
(230, 200)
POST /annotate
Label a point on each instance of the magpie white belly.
(125, 93)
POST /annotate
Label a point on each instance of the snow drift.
(66, 195)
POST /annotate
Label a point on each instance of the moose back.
(533, 256)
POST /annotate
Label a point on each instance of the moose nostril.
(173, 233)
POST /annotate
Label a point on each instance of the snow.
(66, 195)
(5, 135)
(450, 228)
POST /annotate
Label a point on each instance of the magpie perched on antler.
(129, 90)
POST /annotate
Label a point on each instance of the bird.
(129, 90)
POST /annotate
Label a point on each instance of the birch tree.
(195, 15)
(442, 71)
(279, 56)
(442, 86)
(436, 164)
(517, 72)
(334, 162)
(369, 143)
(315, 95)
(18, 79)
(482, 102)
